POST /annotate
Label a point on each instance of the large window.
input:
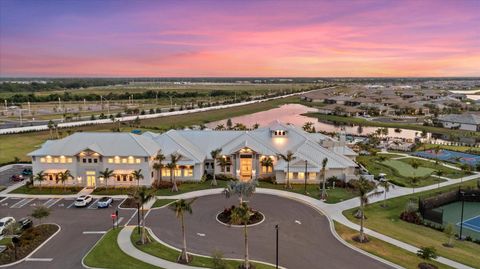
(312, 175)
(188, 171)
(267, 169)
(165, 172)
(177, 172)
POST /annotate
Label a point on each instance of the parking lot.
(80, 228)
(7, 174)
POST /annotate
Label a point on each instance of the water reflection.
(292, 113)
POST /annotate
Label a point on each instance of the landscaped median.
(107, 254)
(28, 242)
(387, 221)
(46, 190)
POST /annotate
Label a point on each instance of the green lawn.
(400, 172)
(191, 186)
(162, 202)
(313, 190)
(387, 221)
(383, 249)
(106, 254)
(6, 241)
(112, 191)
(47, 190)
(157, 249)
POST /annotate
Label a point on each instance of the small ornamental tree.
(40, 212)
(450, 232)
(427, 254)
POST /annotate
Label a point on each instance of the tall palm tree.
(142, 196)
(242, 214)
(415, 164)
(267, 162)
(174, 158)
(50, 128)
(159, 165)
(40, 176)
(242, 189)
(363, 187)
(63, 177)
(385, 183)
(324, 179)
(137, 175)
(215, 154)
(224, 162)
(180, 207)
(288, 158)
(106, 174)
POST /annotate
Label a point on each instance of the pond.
(292, 113)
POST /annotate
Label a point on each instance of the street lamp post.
(276, 248)
(461, 218)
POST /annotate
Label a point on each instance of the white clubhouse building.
(85, 155)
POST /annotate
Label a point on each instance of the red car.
(17, 178)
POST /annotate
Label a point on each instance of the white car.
(104, 202)
(83, 200)
(4, 223)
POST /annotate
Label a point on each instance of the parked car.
(17, 177)
(27, 172)
(83, 200)
(104, 202)
(5, 223)
(25, 223)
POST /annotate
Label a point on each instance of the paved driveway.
(305, 238)
(69, 246)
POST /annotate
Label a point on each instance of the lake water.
(292, 113)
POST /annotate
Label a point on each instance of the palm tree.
(142, 196)
(40, 176)
(307, 126)
(386, 188)
(436, 150)
(242, 189)
(267, 162)
(415, 164)
(224, 162)
(180, 207)
(106, 174)
(220, 127)
(137, 175)
(215, 154)
(288, 158)
(63, 177)
(174, 158)
(363, 187)
(439, 173)
(324, 188)
(50, 128)
(159, 165)
(242, 214)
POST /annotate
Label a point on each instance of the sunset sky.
(239, 38)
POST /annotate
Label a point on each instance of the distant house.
(467, 121)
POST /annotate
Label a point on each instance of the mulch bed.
(30, 239)
(225, 217)
(129, 203)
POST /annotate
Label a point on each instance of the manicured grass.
(363, 122)
(159, 250)
(313, 190)
(46, 190)
(383, 249)
(387, 221)
(6, 241)
(112, 191)
(20, 144)
(106, 254)
(162, 202)
(400, 171)
(406, 170)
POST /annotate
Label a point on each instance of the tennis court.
(452, 214)
(450, 156)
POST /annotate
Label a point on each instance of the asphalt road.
(7, 174)
(68, 247)
(305, 240)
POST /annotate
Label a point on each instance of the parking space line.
(73, 203)
(94, 203)
(22, 203)
(130, 219)
(118, 221)
(51, 202)
(94, 232)
(3, 199)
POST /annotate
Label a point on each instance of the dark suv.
(25, 223)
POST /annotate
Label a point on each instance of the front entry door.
(246, 167)
(90, 179)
